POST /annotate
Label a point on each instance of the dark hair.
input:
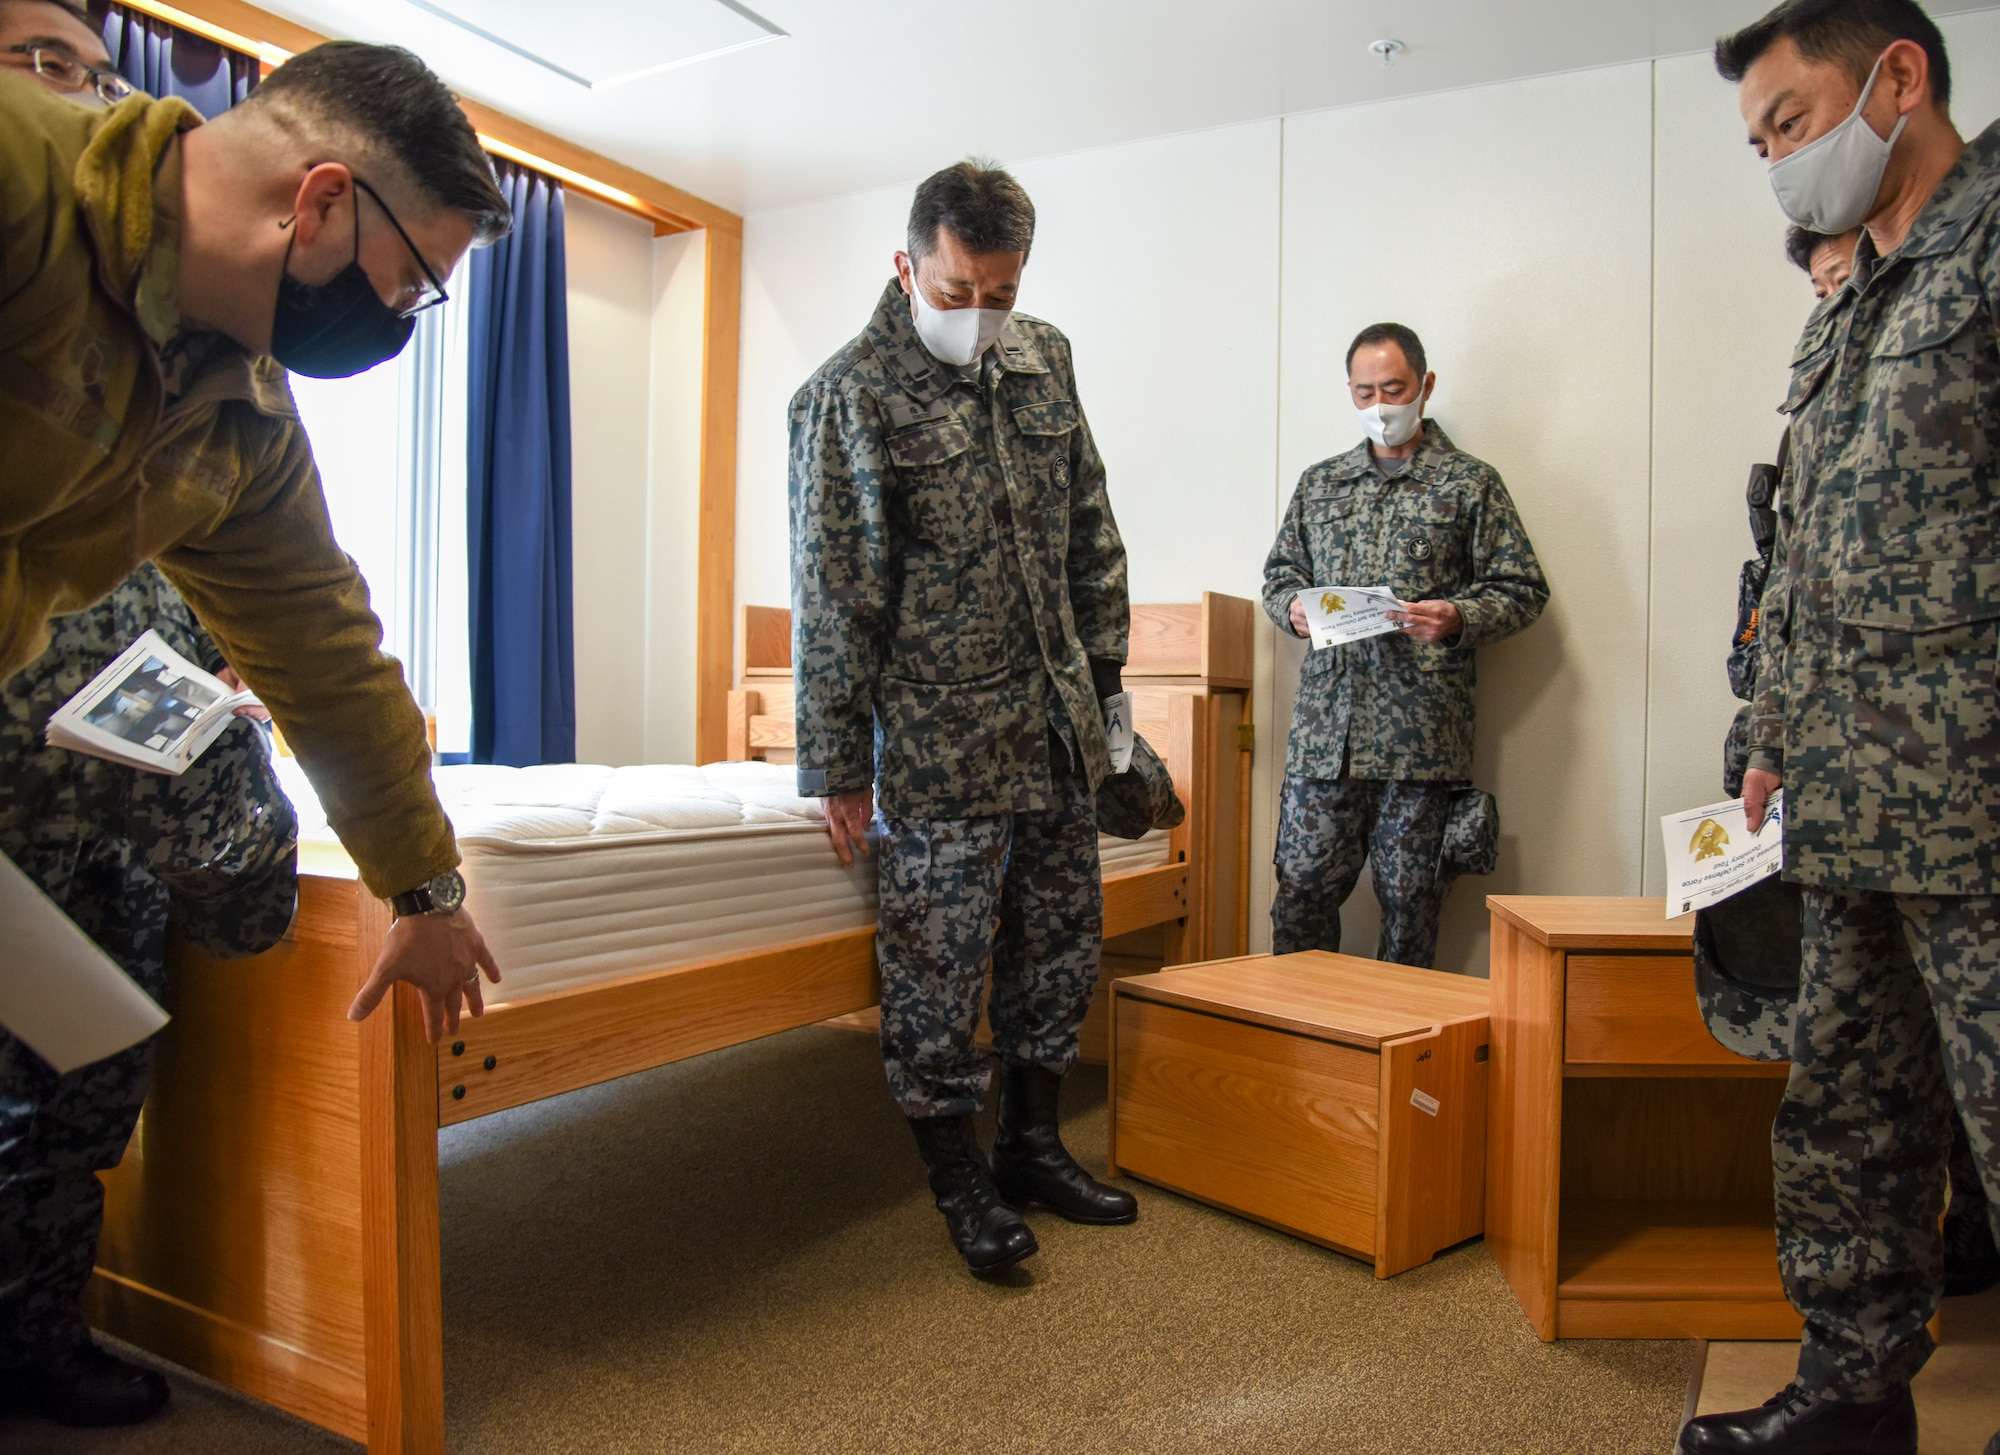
(1852, 32)
(1802, 242)
(1391, 333)
(984, 208)
(394, 103)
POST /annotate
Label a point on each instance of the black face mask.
(338, 328)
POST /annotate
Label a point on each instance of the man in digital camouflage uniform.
(1381, 742)
(1877, 709)
(958, 612)
(119, 850)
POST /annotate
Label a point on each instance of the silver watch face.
(447, 892)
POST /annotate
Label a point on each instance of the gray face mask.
(1830, 184)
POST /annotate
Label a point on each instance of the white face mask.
(955, 335)
(1391, 426)
(1829, 184)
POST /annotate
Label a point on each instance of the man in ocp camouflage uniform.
(1381, 743)
(1877, 708)
(119, 850)
(958, 613)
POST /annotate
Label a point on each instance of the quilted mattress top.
(583, 805)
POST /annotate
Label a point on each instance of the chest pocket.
(1818, 347)
(1045, 428)
(1925, 323)
(931, 461)
(1330, 505)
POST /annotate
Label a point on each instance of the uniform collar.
(1426, 464)
(894, 336)
(128, 183)
(1967, 190)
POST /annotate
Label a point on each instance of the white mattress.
(579, 873)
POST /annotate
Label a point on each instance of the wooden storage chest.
(1336, 1098)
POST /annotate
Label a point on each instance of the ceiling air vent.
(598, 43)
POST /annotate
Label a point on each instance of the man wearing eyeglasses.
(57, 46)
(157, 277)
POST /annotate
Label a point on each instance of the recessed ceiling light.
(599, 43)
(1386, 51)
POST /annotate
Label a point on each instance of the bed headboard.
(1189, 668)
(1207, 643)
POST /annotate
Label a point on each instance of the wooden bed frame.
(274, 1224)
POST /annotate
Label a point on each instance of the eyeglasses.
(62, 69)
(416, 297)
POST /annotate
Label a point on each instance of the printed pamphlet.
(1338, 614)
(151, 708)
(1119, 729)
(1711, 853)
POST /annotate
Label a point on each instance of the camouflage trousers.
(1327, 828)
(58, 1132)
(1898, 1017)
(1020, 892)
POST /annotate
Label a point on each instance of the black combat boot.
(1030, 1163)
(86, 1387)
(1971, 1261)
(989, 1234)
(1792, 1422)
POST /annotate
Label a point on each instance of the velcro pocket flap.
(930, 444)
(1918, 596)
(1051, 416)
(1926, 322)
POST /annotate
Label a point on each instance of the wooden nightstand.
(1628, 1185)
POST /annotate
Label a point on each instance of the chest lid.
(1338, 998)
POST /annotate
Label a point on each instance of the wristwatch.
(442, 895)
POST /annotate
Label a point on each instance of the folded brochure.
(151, 708)
(1337, 614)
(1711, 853)
(1119, 730)
(60, 994)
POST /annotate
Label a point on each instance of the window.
(397, 498)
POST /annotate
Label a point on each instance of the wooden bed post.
(402, 1290)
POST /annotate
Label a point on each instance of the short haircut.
(1853, 33)
(983, 207)
(1802, 242)
(394, 106)
(1391, 333)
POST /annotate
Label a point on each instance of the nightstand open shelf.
(1629, 1159)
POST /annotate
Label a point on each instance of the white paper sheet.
(1711, 853)
(1118, 730)
(1338, 614)
(59, 992)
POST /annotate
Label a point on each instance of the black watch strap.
(412, 901)
(442, 895)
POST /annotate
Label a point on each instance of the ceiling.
(865, 93)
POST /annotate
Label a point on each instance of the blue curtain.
(518, 476)
(164, 60)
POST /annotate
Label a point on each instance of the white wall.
(1595, 263)
(673, 512)
(635, 325)
(610, 258)
(1516, 242)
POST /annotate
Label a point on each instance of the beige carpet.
(738, 1254)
